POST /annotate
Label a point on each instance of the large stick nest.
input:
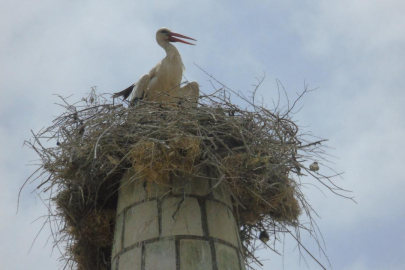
(260, 153)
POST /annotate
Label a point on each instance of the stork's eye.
(164, 31)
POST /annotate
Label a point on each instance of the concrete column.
(160, 228)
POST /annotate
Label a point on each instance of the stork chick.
(162, 83)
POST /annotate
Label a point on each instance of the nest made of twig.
(257, 151)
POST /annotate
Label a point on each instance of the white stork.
(162, 83)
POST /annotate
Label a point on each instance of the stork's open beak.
(172, 38)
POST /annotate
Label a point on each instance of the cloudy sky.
(354, 51)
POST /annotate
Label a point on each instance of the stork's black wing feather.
(124, 93)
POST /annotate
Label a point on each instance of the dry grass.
(259, 152)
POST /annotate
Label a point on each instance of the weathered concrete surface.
(160, 255)
(117, 244)
(203, 234)
(197, 186)
(222, 193)
(155, 190)
(221, 222)
(131, 191)
(183, 220)
(131, 259)
(195, 254)
(227, 257)
(141, 223)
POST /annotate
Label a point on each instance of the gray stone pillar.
(160, 228)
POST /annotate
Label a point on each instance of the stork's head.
(165, 35)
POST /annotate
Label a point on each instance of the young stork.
(162, 83)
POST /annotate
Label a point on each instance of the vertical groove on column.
(213, 254)
(236, 218)
(159, 206)
(206, 232)
(143, 256)
(123, 229)
(177, 243)
(204, 221)
(240, 248)
(211, 193)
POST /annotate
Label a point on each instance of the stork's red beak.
(172, 38)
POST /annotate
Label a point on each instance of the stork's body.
(162, 83)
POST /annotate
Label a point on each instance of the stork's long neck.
(171, 50)
(173, 55)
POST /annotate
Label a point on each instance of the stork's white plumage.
(162, 83)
